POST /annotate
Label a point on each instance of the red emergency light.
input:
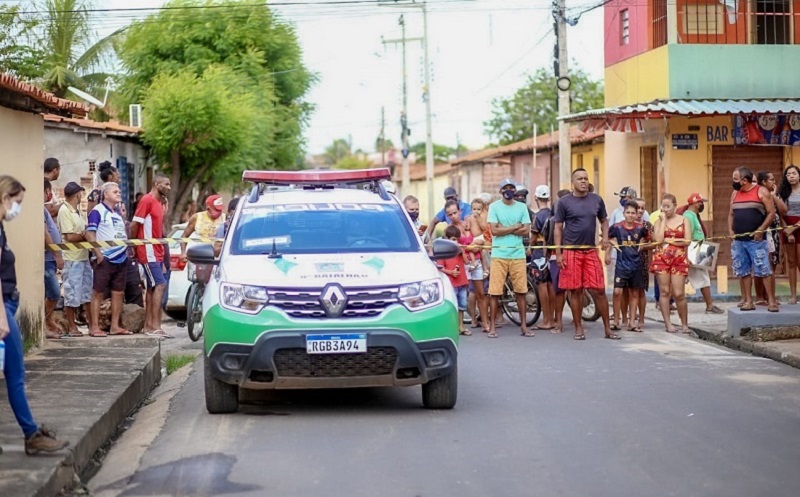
(317, 177)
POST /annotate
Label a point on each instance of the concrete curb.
(81, 451)
(759, 349)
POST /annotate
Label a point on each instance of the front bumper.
(278, 360)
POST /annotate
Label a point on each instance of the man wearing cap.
(547, 295)
(148, 222)
(509, 221)
(698, 276)
(580, 268)
(205, 223)
(77, 273)
(450, 193)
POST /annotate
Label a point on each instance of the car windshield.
(323, 229)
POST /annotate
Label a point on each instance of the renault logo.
(333, 300)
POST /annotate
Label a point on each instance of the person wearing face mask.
(752, 211)
(509, 222)
(37, 437)
(205, 223)
(77, 272)
(148, 222)
(698, 276)
(411, 204)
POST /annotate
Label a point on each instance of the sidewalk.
(713, 327)
(84, 389)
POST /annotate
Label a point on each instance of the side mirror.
(444, 249)
(202, 254)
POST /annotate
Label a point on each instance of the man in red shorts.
(576, 224)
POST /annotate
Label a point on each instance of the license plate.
(348, 343)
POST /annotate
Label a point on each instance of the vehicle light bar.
(317, 177)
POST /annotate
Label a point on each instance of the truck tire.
(221, 398)
(442, 392)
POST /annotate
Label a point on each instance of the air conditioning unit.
(135, 114)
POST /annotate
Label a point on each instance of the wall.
(419, 188)
(622, 164)
(639, 24)
(640, 79)
(733, 71)
(584, 156)
(21, 142)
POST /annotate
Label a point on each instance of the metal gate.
(724, 160)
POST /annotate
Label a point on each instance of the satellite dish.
(90, 98)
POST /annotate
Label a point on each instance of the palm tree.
(71, 58)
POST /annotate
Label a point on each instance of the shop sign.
(686, 141)
(767, 129)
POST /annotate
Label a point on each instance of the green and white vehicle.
(323, 282)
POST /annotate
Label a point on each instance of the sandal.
(492, 335)
(74, 334)
(614, 327)
(124, 332)
(579, 337)
(466, 333)
(527, 334)
(750, 307)
(53, 336)
(613, 336)
(762, 302)
(98, 334)
(556, 331)
(158, 333)
(773, 307)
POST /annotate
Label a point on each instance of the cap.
(694, 198)
(215, 202)
(522, 191)
(72, 188)
(450, 192)
(506, 182)
(542, 191)
(627, 191)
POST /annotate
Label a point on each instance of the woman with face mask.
(37, 438)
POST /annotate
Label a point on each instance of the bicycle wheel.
(589, 311)
(194, 312)
(508, 302)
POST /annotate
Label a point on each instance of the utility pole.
(563, 84)
(406, 176)
(383, 136)
(426, 95)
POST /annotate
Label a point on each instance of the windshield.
(323, 229)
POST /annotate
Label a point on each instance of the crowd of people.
(502, 239)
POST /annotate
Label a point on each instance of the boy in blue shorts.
(626, 238)
(455, 269)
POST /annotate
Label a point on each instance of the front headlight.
(422, 295)
(243, 298)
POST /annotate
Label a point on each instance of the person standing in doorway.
(576, 220)
(148, 222)
(752, 211)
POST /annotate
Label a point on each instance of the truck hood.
(315, 270)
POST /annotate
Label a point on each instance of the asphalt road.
(651, 415)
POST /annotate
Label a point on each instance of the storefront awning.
(629, 118)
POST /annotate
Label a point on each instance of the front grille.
(298, 364)
(361, 302)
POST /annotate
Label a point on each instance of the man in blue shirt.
(450, 193)
(53, 261)
(509, 221)
(110, 270)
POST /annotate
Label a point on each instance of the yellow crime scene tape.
(67, 246)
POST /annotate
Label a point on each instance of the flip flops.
(579, 337)
(613, 336)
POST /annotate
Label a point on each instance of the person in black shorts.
(626, 238)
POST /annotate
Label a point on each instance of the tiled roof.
(113, 126)
(47, 100)
(688, 107)
(548, 140)
(417, 171)
(480, 155)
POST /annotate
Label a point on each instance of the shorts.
(796, 233)
(555, 272)
(52, 290)
(110, 276)
(153, 274)
(461, 297)
(485, 285)
(699, 278)
(477, 273)
(502, 269)
(750, 256)
(634, 279)
(671, 260)
(77, 278)
(582, 269)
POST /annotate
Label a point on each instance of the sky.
(479, 50)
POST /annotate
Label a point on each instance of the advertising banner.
(766, 129)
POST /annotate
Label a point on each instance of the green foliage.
(177, 361)
(221, 91)
(353, 162)
(19, 54)
(536, 102)
(441, 153)
(338, 150)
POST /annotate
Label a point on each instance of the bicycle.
(589, 312)
(508, 302)
(199, 275)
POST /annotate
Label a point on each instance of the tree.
(223, 92)
(338, 150)
(383, 144)
(71, 56)
(353, 162)
(441, 153)
(536, 102)
(19, 55)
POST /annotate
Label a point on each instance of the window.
(624, 26)
(659, 23)
(773, 22)
(704, 19)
